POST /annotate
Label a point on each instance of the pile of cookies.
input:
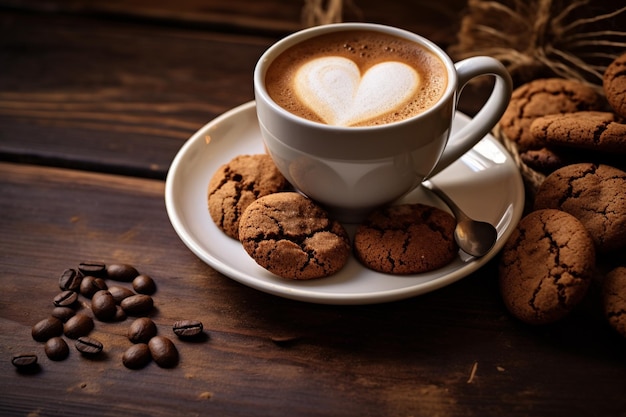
(575, 233)
(294, 238)
(555, 122)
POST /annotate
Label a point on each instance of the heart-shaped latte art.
(334, 89)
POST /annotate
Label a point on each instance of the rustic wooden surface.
(96, 98)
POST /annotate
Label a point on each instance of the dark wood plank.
(113, 96)
(438, 20)
(234, 15)
(454, 352)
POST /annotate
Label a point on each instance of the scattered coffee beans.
(25, 360)
(70, 280)
(142, 330)
(63, 313)
(56, 349)
(107, 304)
(47, 328)
(119, 293)
(144, 284)
(187, 328)
(103, 305)
(88, 346)
(163, 351)
(91, 285)
(137, 305)
(77, 326)
(65, 298)
(137, 356)
(121, 272)
(93, 268)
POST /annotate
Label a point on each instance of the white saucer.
(485, 182)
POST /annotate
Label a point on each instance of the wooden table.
(96, 98)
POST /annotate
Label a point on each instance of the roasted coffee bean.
(119, 293)
(63, 313)
(121, 272)
(137, 356)
(77, 326)
(144, 284)
(47, 328)
(88, 346)
(120, 314)
(142, 330)
(65, 298)
(70, 280)
(90, 285)
(137, 305)
(187, 328)
(24, 360)
(93, 268)
(56, 349)
(163, 351)
(103, 305)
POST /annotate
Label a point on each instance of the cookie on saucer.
(546, 266)
(595, 195)
(614, 299)
(292, 237)
(406, 239)
(238, 183)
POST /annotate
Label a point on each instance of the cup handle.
(488, 116)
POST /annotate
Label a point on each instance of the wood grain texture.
(454, 352)
(111, 96)
(436, 20)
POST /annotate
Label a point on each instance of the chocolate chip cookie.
(546, 266)
(540, 98)
(238, 183)
(406, 239)
(614, 299)
(614, 84)
(592, 130)
(292, 237)
(595, 195)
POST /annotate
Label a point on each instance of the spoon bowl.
(474, 237)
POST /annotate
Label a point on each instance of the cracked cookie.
(595, 195)
(592, 130)
(546, 266)
(540, 98)
(614, 84)
(292, 237)
(238, 183)
(614, 299)
(406, 239)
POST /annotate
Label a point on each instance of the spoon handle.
(458, 213)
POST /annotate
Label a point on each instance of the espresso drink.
(356, 78)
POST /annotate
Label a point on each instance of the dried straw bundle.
(540, 38)
(321, 12)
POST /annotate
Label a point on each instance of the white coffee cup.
(353, 170)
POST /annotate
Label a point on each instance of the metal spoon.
(474, 237)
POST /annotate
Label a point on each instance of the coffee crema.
(356, 78)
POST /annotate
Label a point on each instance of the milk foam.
(367, 50)
(333, 88)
